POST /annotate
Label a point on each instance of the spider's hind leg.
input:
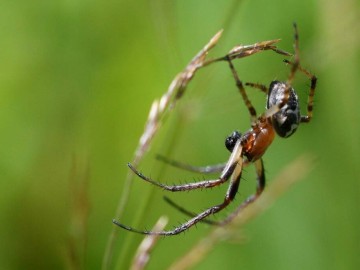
(260, 178)
(187, 212)
(295, 65)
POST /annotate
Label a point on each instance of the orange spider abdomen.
(257, 140)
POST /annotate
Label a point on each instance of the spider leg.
(259, 166)
(260, 176)
(281, 51)
(226, 173)
(294, 67)
(187, 212)
(261, 87)
(205, 169)
(295, 64)
(242, 91)
(189, 186)
(200, 217)
(235, 158)
(310, 103)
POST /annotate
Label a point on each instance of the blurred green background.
(77, 82)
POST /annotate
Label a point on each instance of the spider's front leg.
(243, 93)
(189, 186)
(228, 170)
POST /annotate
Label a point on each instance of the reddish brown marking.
(258, 139)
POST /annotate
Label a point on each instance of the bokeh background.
(77, 82)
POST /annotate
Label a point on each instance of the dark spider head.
(287, 120)
(231, 140)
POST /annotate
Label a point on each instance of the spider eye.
(287, 120)
(231, 140)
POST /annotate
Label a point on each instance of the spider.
(282, 117)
